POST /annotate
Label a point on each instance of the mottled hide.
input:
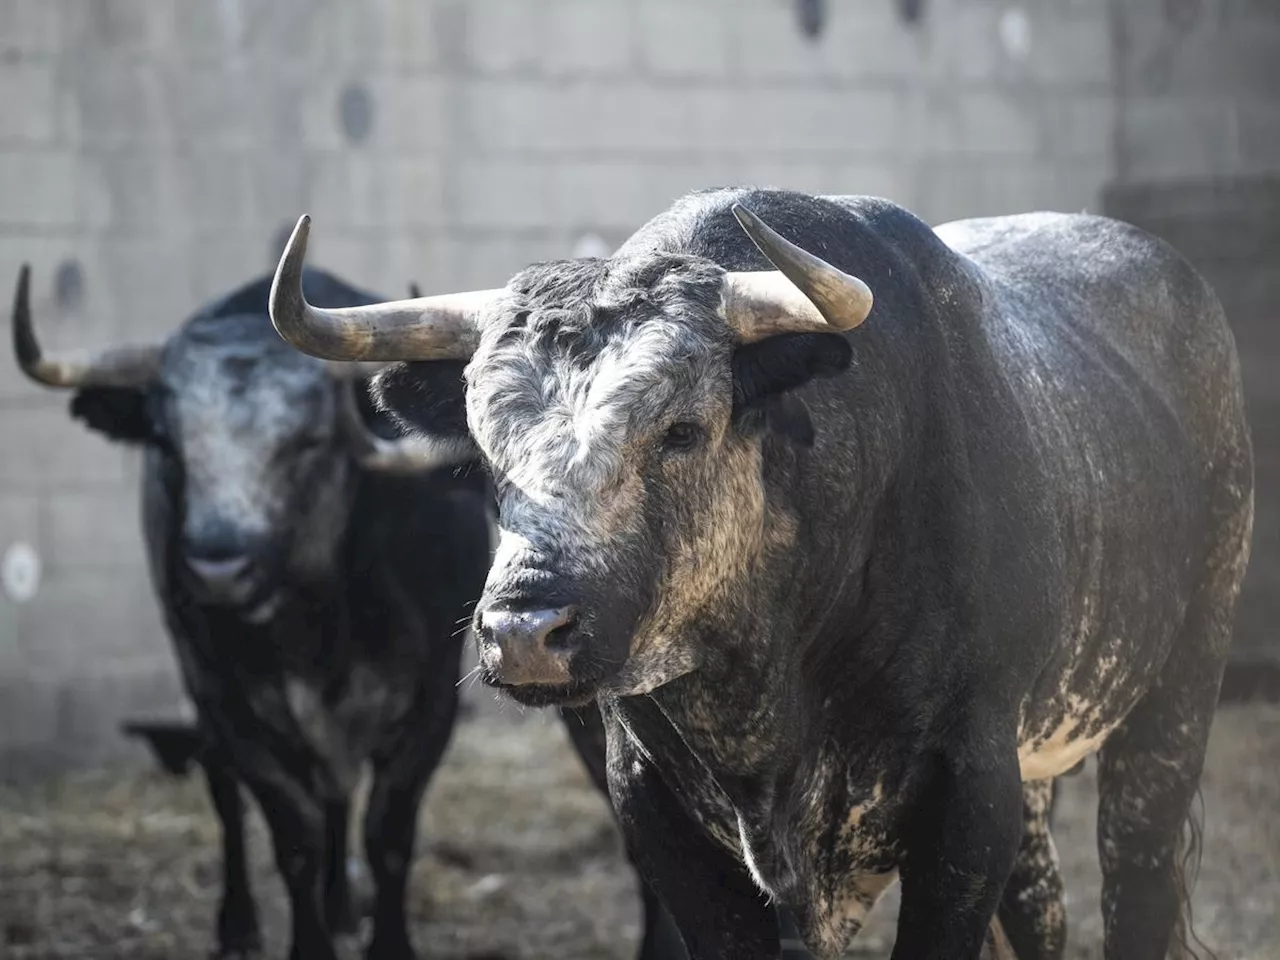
(839, 597)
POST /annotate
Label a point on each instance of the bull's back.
(1125, 373)
(1129, 303)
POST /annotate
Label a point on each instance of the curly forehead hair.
(581, 302)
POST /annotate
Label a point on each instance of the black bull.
(313, 575)
(839, 595)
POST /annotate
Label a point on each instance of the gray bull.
(841, 588)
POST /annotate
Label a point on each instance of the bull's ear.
(119, 412)
(427, 398)
(766, 371)
(378, 421)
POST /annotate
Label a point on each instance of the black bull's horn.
(130, 366)
(805, 293)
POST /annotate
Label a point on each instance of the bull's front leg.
(402, 769)
(959, 849)
(238, 931)
(296, 821)
(720, 912)
(660, 940)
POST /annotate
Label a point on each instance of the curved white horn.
(807, 294)
(423, 328)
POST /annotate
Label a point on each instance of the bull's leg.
(661, 940)
(1148, 773)
(717, 908)
(1149, 769)
(238, 931)
(1032, 910)
(296, 820)
(400, 776)
(959, 850)
(337, 886)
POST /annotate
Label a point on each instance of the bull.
(312, 572)
(852, 528)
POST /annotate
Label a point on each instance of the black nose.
(522, 647)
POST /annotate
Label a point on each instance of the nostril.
(564, 637)
(554, 629)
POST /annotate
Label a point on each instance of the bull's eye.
(682, 436)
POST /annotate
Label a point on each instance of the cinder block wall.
(152, 151)
(1198, 162)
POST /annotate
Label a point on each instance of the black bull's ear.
(765, 371)
(121, 413)
(425, 397)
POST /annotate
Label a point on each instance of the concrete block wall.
(153, 151)
(1198, 88)
(1198, 163)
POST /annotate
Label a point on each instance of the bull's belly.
(1064, 746)
(1071, 711)
(1076, 723)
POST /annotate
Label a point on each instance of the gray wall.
(1198, 162)
(164, 144)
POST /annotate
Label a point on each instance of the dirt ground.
(518, 857)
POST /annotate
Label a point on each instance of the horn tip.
(286, 301)
(752, 226)
(744, 215)
(25, 345)
(23, 290)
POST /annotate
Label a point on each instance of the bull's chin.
(574, 694)
(258, 607)
(260, 611)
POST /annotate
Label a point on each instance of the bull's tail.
(1186, 943)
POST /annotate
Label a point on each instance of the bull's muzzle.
(528, 647)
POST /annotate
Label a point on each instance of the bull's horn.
(405, 455)
(806, 294)
(114, 367)
(424, 328)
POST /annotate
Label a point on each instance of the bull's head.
(621, 406)
(252, 442)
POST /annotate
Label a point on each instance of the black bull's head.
(251, 443)
(620, 405)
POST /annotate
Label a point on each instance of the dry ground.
(518, 857)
